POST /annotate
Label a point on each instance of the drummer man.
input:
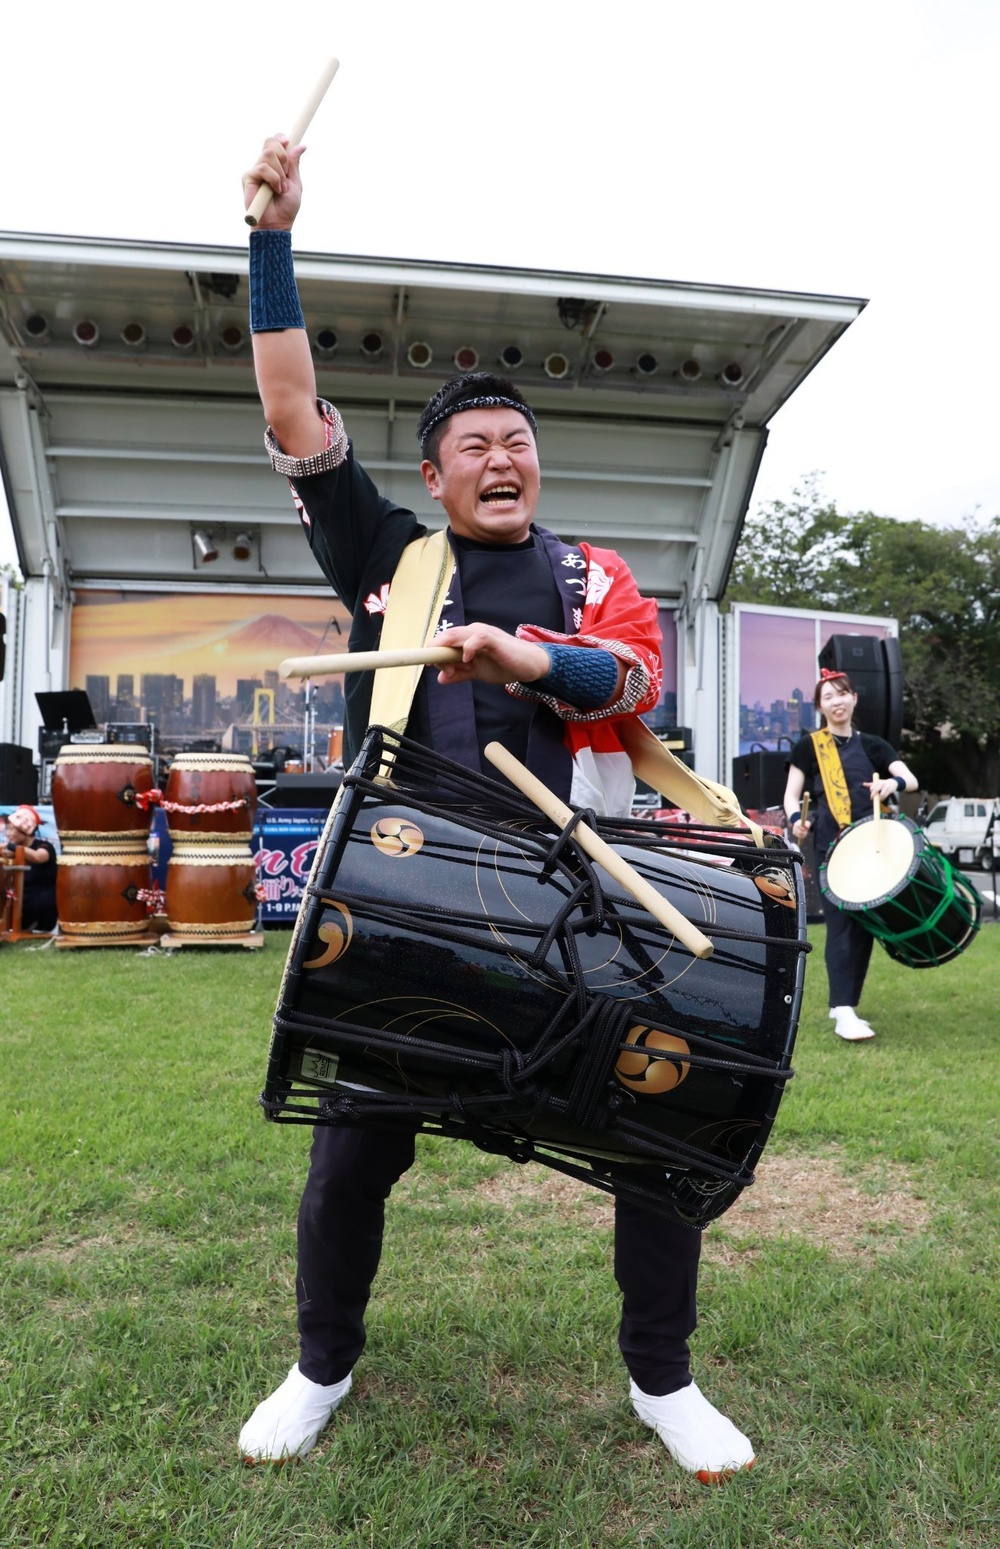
(557, 643)
(845, 770)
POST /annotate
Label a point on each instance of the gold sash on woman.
(831, 770)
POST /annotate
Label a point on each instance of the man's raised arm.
(286, 377)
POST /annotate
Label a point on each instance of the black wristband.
(274, 296)
(901, 782)
(793, 817)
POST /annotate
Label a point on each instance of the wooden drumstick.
(369, 661)
(265, 193)
(877, 809)
(804, 814)
(614, 864)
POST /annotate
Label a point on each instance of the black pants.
(340, 1225)
(848, 953)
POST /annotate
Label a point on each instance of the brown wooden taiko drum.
(211, 890)
(198, 780)
(98, 883)
(94, 790)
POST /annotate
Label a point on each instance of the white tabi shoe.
(288, 1423)
(695, 1433)
(848, 1025)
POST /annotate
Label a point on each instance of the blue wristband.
(274, 296)
(901, 782)
(579, 676)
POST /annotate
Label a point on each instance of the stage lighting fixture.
(134, 336)
(183, 338)
(556, 365)
(204, 547)
(731, 374)
(602, 360)
(466, 358)
(231, 338)
(689, 370)
(511, 357)
(242, 546)
(372, 345)
(645, 364)
(420, 355)
(325, 342)
(87, 333)
(37, 328)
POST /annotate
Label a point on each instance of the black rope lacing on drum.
(592, 1023)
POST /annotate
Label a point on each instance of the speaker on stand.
(875, 669)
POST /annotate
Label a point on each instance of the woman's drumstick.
(369, 661)
(877, 811)
(614, 864)
(262, 198)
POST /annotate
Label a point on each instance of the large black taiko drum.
(458, 966)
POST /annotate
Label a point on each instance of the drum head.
(870, 860)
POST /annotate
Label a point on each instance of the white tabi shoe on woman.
(847, 1024)
(696, 1434)
(288, 1423)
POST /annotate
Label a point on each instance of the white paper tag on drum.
(319, 1067)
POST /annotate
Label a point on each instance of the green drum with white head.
(885, 874)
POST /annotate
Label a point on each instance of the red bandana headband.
(827, 673)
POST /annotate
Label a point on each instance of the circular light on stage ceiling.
(182, 338)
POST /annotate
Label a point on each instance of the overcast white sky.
(847, 148)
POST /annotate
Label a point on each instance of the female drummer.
(844, 770)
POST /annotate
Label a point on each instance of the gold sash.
(831, 770)
(416, 597)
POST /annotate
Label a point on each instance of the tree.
(942, 584)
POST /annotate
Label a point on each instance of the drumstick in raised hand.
(614, 864)
(369, 661)
(877, 812)
(262, 198)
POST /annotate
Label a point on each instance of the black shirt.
(862, 756)
(357, 537)
(39, 908)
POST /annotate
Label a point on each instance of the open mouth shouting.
(500, 496)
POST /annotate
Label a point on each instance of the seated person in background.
(38, 911)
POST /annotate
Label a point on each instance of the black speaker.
(759, 778)
(875, 669)
(18, 775)
(3, 644)
(306, 790)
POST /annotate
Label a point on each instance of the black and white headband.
(490, 401)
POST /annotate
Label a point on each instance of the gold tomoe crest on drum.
(396, 836)
(335, 938)
(642, 1072)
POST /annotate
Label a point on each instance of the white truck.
(967, 830)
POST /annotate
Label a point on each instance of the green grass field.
(850, 1326)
